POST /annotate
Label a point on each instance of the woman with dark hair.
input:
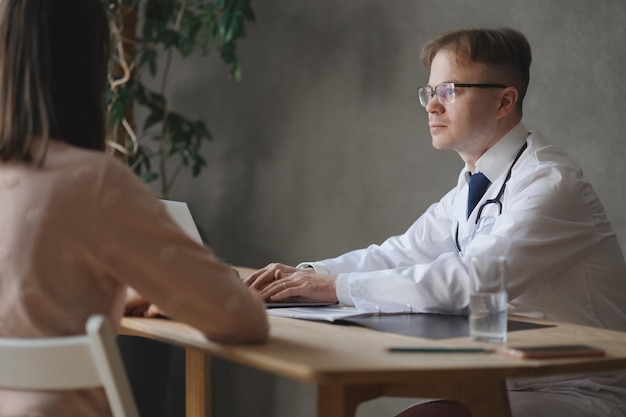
(78, 229)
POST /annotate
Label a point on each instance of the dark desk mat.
(429, 326)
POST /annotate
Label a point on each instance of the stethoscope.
(497, 201)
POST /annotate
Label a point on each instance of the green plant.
(167, 26)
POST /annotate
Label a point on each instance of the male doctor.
(538, 211)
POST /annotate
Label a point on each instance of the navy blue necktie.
(478, 184)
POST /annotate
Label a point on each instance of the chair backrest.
(70, 363)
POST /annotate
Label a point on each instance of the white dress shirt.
(564, 260)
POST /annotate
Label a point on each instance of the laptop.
(179, 211)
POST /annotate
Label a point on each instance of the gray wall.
(323, 147)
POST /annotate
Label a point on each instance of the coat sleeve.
(552, 226)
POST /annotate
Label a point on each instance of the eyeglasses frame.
(433, 91)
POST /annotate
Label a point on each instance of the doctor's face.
(467, 125)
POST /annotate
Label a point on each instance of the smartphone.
(553, 351)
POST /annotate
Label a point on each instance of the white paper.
(330, 313)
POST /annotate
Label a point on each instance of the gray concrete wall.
(323, 146)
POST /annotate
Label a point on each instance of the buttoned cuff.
(343, 290)
(317, 267)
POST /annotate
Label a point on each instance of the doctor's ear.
(508, 101)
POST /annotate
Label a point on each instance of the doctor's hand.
(265, 276)
(304, 283)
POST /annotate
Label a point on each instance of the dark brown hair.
(54, 56)
(504, 47)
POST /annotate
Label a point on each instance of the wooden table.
(351, 364)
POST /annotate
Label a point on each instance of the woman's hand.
(138, 306)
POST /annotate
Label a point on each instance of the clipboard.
(429, 326)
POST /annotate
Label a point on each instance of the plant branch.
(126, 70)
(167, 26)
(174, 175)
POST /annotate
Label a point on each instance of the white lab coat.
(564, 260)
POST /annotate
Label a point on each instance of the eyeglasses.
(446, 92)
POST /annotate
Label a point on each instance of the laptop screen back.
(179, 211)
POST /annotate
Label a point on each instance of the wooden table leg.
(197, 383)
(337, 400)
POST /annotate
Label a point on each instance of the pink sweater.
(73, 235)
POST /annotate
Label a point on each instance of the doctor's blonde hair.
(504, 48)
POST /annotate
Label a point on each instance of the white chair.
(70, 363)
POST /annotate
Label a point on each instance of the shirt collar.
(497, 158)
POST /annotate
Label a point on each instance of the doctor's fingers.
(313, 286)
(282, 289)
(274, 290)
(256, 279)
(265, 276)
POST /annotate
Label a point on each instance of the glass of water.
(488, 298)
